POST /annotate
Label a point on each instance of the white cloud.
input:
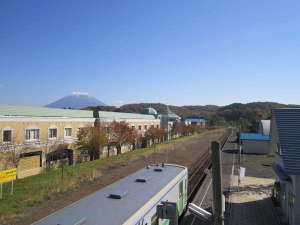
(79, 93)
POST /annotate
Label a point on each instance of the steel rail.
(197, 174)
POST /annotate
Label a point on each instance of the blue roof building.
(255, 143)
(254, 137)
(195, 121)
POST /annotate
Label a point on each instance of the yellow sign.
(8, 175)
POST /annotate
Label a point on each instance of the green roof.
(33, 111)
(119, 115)
(173, 115)
(149, 111)
(170, 114)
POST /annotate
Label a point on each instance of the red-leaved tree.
(120, 133)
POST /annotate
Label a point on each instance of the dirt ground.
(185, 152)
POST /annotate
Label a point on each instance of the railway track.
(197, 171)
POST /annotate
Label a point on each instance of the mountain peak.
(77, 100)
(79, 93)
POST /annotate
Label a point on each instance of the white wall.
(256, 147)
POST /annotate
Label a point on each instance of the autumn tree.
(150, 135)
(175, 130)
(133, 138)
(193, 128)
(13, 153)
(154, 134)
(160, 134)
(120, 133)
(92, 140)
(179, 129)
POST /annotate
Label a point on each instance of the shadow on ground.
(192, 220)
(231, 151)
(260, 212)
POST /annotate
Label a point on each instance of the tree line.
(93, 140)
(237, 114)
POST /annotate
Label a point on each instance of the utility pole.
(218, 208)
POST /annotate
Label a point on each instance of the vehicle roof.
(98, 209)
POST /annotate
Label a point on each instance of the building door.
(70, 156)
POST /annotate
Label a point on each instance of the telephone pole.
(218, 208)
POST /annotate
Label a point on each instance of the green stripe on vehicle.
(165, 222)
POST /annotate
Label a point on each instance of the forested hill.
(235, 112)
(254, 110)
(182, 111)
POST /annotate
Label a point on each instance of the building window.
(68, 132)
(32, 134)
(7, 136)
(52, 133)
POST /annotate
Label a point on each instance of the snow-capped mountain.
(77, 100)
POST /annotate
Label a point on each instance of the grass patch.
(33, 190)
(259, 165)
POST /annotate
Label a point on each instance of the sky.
(176, 52)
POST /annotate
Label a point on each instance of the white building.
(264, 127)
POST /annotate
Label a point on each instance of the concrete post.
(217, 184)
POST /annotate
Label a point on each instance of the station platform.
(204, 198)
(248, 204)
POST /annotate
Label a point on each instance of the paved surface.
(249, 205)
(252, 203)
